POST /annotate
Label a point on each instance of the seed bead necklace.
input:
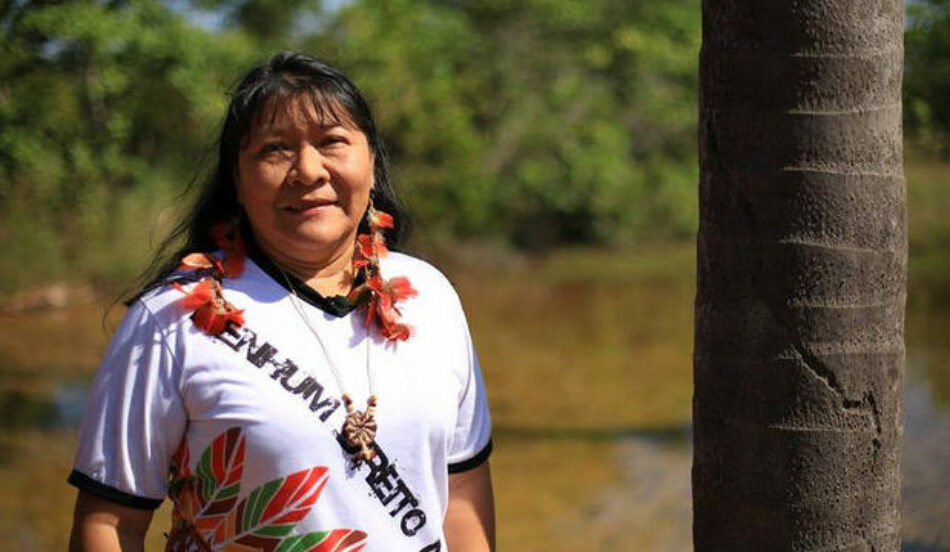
(359, 429)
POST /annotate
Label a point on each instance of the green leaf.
(302, 543)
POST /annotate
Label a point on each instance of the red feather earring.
(380, 296)
(210, 311)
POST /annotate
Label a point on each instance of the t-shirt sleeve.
(471, 442)
(134, 418)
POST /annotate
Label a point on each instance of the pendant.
(359, 429)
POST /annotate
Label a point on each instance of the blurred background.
(547, 150)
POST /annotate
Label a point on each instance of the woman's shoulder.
(163, 298)
(161, 304)
(423, 276)
(435, 311)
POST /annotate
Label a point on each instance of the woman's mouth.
(309, 206)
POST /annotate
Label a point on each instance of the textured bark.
(799, 347)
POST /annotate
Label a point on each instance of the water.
(649, 507)
(925, 468)
(589, 376)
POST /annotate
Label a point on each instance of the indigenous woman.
(285, 379)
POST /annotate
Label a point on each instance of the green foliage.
(104, 107)
(927, 74)
(530, 122)
(536, 122)
(409, 58)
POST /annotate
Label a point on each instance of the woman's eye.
(333, 140)
(275, 147)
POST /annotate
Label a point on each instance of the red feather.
(397, 332)
(195, 261)
(400, 288)
(199, 296)
(379, 219)
(213, 320)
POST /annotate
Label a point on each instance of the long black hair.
(270, 89)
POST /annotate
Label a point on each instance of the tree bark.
(799, 351)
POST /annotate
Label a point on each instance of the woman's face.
(304, 183)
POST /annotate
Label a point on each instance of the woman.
(285, 380)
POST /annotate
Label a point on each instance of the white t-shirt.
(258, 413)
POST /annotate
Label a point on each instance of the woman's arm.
(100, 525)
(470, 519)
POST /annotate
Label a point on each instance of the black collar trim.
(338, 305)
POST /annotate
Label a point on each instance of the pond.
(587, 357)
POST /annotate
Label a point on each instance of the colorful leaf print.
(339, 540)
(270, 512)
(208, 515)
(219, 479)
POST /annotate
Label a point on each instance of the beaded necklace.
(213, 314)
(359, 429)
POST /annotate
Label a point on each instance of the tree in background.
(104, 108)
(531, 123)
(536, 122)
(927, 84)
(801, 277)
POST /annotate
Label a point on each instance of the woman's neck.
(330, 274)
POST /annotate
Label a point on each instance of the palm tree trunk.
(799, 350)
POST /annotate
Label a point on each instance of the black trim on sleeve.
(86, 483)
(472, 462)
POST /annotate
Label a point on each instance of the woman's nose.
(310, 167)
